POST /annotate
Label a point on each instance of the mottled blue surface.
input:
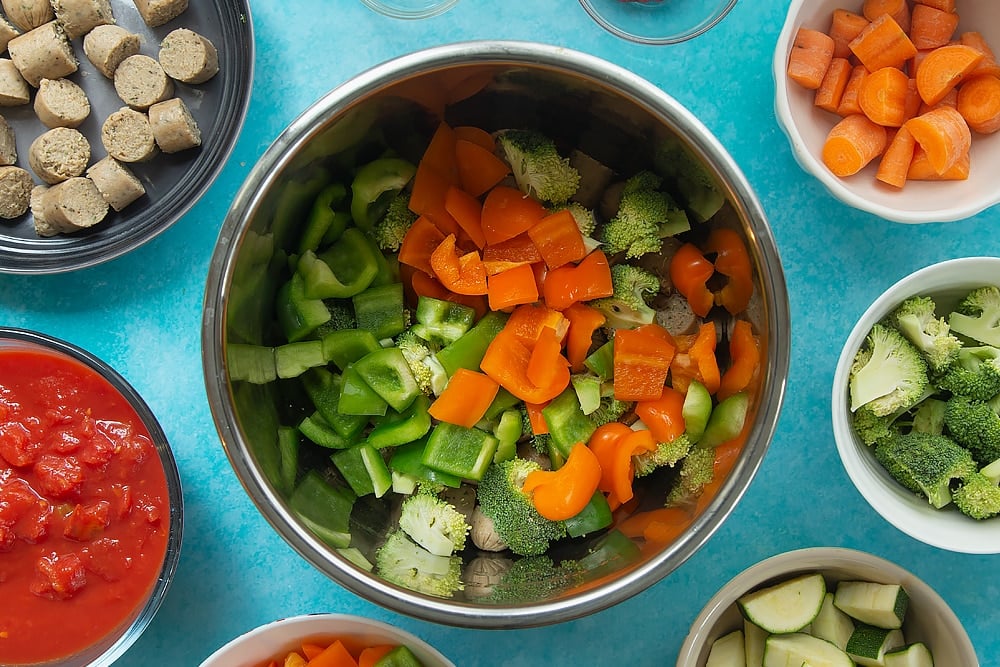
(142, 313)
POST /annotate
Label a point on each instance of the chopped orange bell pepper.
(527, 322)
(467, 212)
(479, 169)
(641, 363)
(733, 261)
(536, 418)
(511, 253)
(588, 280)
(465, 398)
(462, 275)
(562, 494)
(583, 322)
(506, 361)
(689, 273)
(420, 241)
(695, 360)
(663, 416)
(660, 525)
(512, 287)
(622, 468)
(744, 355)
(558, 239)
(508, 212)
(546, 358)
(603, 442)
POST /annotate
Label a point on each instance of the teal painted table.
(142, 314)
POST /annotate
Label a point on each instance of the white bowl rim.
(322, 622)
(813, 559)
(834, 185)
(902, 509)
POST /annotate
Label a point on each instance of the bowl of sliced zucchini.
(828, 606)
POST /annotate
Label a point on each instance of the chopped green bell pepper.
(374, 186)
(442, 322)
(503, 401)
(297, 314)
(323, 434)
(468, 351)
(364, 470)
(601, 361)
(464, 452)
(346, 346)
(399, 428)
(323, 224)
(288, 449)
(567, 423)
(595, 516)
(251, 363)
(380, 310)
(344, 269)
(507, 432)
(387, 373)
(323, 388)
(293, 359)
(324, 509)
(408, 460)
(588, 391)
(357, 398)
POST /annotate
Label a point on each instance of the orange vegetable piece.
(588, 280)
(440, 153)
(844, 26)
(536, 418)
(943, 134)
(988, 65)
(978, 100)
(334, 655)
(436, 172)
(370, 655)
(465, 398)
(527, 323)
(420, 241)
(744, 361)
(931, 27)
(562, 494)
(883, 96)
(475, 135)
(809, 58)
(922, 170)
(460, 274)
(546, 360)
(508, 212)
(425, 285)
(831, 89)
(896, 159)
(899, 10)
(943, 69)
(641, 363)
(310, 650)
(512, 287)
(852, 143)
(883, 43)
(583, 322)
(506, 361)
(622, 467)
(467, 212)
(943, 5)
(696, 360)
(511, 253)
(732, 259)
(663, 416)
(849, 100)
(479, 169)
(558, 239)
(660, 525)
(689, 274)
(603, 442)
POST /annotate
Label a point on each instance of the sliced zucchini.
(881, 605)
(727, 651)
(914, 655)
(832, 624)
(753, 639)
(785, 607)
(869, 644)
(796, 648)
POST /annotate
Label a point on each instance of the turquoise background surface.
(142, 314)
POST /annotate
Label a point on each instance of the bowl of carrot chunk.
(894, 105)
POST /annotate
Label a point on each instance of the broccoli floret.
(610, 410)
(645, 215)
(626, 308)
(390, 229)
(888, 373)
(430, 375)
(514, 516)
(433, 523)
(992, 471)
(401, 561)
(978, 497)
(697, 470)
(975, 425)
(535, 578)
(665, 454)
(925, 463)
(870, 427)
(978, 316)
(584, 217)
(931, 335)
(537, 166)
(975, 375)
(929, 416)
(539, 442)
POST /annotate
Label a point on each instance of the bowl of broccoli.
(495, 334)
(916, 405)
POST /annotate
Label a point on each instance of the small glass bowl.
(410, 9)
(657, 21)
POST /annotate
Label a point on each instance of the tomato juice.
(85, 517)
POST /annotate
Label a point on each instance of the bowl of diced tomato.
(90, 506)
(894, 105)
(327, 639)
(492, 341)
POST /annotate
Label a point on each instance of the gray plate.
(173, 182)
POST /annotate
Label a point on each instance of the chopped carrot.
(852, 143)
(689, 274)
(943, 134)
(949, 100)
(562, 494)
(895, 162)
(463, 274)
(921, 169)
(744, 361)
(943, 69)
(420, 240)
(883, 43)
(536, 419)
(988, 65)
(978, 101)
(370, 656)
(334, 655)
(475, 135)
(918, 58)
(465, 398)
(844, 26)
(512, 287)
(310, 650)
(831, 90)
(641, 363)
(883, 96)
(899, 10)
(663, 416)
(479, 169)
(913, 103)
(510, 253)
(849, 100)
(558, 239)
(943, 5)
(467, 212)
(508, 212)
(930, 27)
(588, 280)
(527, 322)
(583, 322)
(809, 58)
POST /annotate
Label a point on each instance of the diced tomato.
(59, 577)
(17, 447)
(58, 476)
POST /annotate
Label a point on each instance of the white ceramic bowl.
(807, 127)
(946, 282)
(277, 638)
(929, 618)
